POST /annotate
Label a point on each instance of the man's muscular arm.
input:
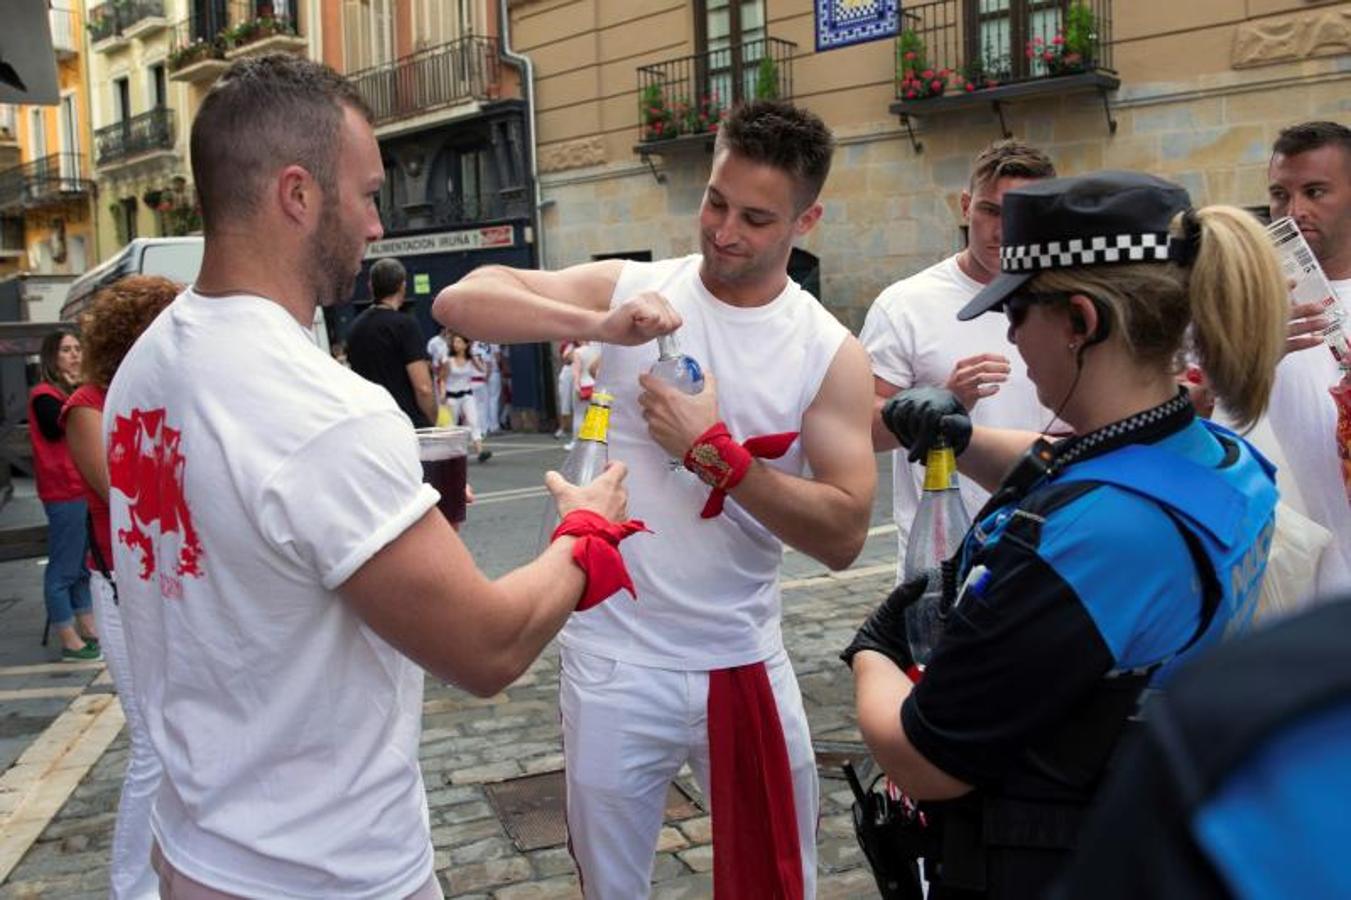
(505, 305)
(883, 439)
(825, 516)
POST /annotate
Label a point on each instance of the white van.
(175, 258)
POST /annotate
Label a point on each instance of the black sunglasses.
(1018, 303)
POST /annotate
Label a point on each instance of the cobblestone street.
(468, 745)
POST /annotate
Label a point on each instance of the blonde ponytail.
(1239, 309)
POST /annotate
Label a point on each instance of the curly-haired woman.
(114, 320)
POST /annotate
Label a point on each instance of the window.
(367, 31)
(37, 134)
(69, 124)
(437, 22)
(1002, 29)
(208, 19)
(732, 33)
(159, 91)
(635, 255)
(122, 98)
(124, 219)
(474, 184)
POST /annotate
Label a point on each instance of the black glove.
(919, 416)
(884, 631)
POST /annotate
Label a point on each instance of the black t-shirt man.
(380, 346)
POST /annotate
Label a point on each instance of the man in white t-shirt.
(914, 339)
(283, 571)
(438, 351)
(1309, 179)
(695, 672)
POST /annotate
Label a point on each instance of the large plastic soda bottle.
(675, 367)
(938, 529)
(587, 459)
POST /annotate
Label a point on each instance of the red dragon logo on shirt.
(146, 465)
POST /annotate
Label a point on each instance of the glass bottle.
(940, 524)
(587, 458)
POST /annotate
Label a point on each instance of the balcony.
(197, 51)
(111, 25)
(149, 133)
(262, 26)
(956, 54)
(682, 101)
(48, 181)
(65, 39)
(448, 75)
(456, 211)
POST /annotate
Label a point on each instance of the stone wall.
(891, 211)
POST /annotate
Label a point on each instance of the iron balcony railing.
(149, 131)
(949, 46)
(456, 211)
(689, 95)
(254, 20)
(445, 75)
(198, 37)
(46, 180)
(109, 19)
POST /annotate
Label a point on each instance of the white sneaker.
(558, 434)
(568, 445)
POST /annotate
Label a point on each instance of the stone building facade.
(1195, 92)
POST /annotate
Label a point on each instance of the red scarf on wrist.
(596, 553)
(721, 463)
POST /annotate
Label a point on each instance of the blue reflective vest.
(1228, 509)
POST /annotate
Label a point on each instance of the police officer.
(1101, 559)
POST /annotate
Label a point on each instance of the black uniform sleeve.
(47, 412)
(412, 346)
(1018, 656)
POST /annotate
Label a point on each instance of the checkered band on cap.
(1144, 247)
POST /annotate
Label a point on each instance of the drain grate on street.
(532, 809)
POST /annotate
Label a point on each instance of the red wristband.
(596, 553)
(721, 463)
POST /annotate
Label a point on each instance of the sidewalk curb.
(35, 788)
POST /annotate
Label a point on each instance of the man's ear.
(966, 206)
(808, 218)
(297, 194)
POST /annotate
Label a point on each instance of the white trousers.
(565, 391)
(493, 421)
(480, 395)
(627, 730)
(464, 411)
(129, 869)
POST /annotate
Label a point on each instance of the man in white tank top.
(695, 671)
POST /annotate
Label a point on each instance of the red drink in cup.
(444, 455)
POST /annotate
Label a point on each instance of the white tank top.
(708, 589)
(460, 376)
